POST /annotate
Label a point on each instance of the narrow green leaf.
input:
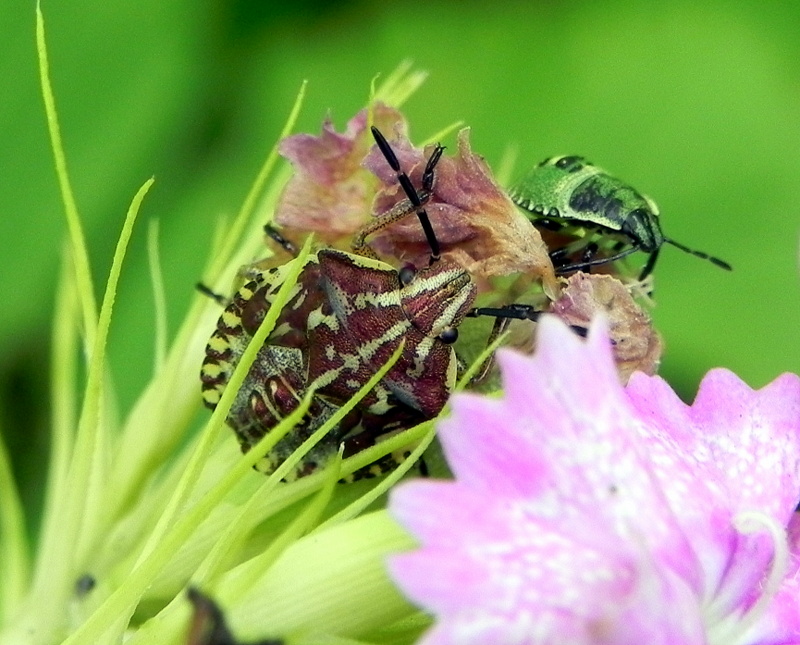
(14, 556)
(80, 254)
(63, 415)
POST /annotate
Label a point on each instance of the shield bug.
(347, 315)
(568, 193)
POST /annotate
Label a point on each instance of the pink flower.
(583, 512)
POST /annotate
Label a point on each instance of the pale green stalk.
(331, 582)
(441, 134)
(77, 513)
(90, 457)
(504, 171)
(365, 501)
(169, 625)
(124, 598)
(259, 564)
(399, 84)
(203, 448)
(81, 480)
(63, 376)
(159, 418)
(172, 529)
(14, 556)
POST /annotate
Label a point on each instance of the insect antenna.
(705, 256)
(408, 188)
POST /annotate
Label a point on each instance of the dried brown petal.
(330, 193)
(637, 346)
(477, 225)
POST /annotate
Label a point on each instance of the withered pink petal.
(637, 345)
(330, 193)
(475, 222)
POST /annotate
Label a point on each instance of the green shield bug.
(564, 193)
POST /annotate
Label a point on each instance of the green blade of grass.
(80, 255)
(77, 514)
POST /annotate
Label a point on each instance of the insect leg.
(579, 266)
(272, 233)
(503, 316)
(651, 263)
(549, 224)
(517, 311)
(500, 325)
(207, 291)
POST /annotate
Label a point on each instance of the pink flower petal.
(586, 512)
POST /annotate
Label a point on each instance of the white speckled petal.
(585, 513)
(748, 437)
(743, 446)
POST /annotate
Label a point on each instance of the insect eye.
(407, 274)
(449, 335)
(636, 223)
(572, 163)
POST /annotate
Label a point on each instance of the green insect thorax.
(569, 189)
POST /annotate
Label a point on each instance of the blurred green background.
(696, 105)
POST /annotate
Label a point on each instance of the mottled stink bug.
(569, 193)
(346, 316)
